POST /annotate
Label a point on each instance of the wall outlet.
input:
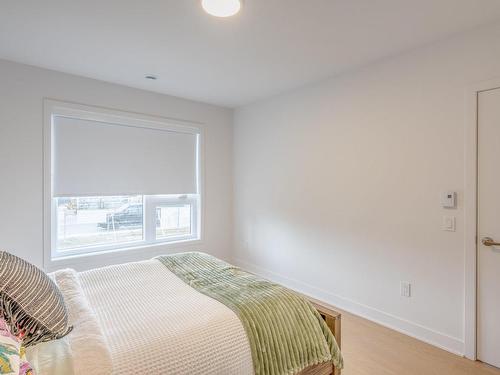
(405, 289)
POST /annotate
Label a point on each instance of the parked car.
(128, 215)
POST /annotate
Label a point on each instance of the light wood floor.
(370, 349)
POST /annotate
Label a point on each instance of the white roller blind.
(92, 158)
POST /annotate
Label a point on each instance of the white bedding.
(152, 323)
(85, 350)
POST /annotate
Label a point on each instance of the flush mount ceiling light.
(221, 8)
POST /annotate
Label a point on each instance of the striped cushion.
(31, 302)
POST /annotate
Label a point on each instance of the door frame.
(470, 213)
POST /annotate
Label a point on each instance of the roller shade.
(93, 158)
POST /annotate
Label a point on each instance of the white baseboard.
(415, 330)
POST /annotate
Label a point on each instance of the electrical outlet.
(405, 289)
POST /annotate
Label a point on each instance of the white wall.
(337, 186)
(22, 90)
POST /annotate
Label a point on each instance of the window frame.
(145, 248)
(153, 201)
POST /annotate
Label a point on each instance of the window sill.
(82, 262)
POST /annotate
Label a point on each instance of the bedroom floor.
(370, 349)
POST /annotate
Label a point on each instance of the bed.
(143, 318)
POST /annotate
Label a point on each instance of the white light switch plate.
(449, 223)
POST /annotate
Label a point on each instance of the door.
(488, 289)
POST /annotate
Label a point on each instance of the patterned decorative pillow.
(12, 354)
(30, 302)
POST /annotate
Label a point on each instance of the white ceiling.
(271, 46)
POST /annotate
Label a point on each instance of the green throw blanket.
(285, 331)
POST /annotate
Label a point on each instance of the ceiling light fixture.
(151, 77)
(221, 8)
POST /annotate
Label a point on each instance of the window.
(119, 182)
(98, 221)
(86, 224)
(173, 220)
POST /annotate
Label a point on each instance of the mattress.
(150, 322)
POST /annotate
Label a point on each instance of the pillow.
(30, 302)
(12, 354)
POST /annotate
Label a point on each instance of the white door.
(488, 308)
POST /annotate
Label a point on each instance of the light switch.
(449, 223)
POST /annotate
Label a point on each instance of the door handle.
(488, 241)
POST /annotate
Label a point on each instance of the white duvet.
(139, 318)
